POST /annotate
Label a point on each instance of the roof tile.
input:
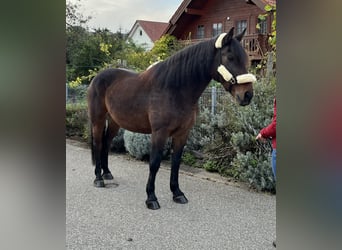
(153, 29)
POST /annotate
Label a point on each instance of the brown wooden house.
(198, 20)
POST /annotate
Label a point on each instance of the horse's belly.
(129, 110)
(133, 122)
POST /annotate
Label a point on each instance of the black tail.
(92, 145)
(104, 143)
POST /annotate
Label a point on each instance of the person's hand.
(259, 137)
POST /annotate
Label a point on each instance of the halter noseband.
(224, 72)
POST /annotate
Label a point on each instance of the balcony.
(256, 45)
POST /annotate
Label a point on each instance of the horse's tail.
(91, 98)
(104, 144)
(95, 94)
(92, 145)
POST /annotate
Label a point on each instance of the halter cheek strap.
(224, 72)
(240, 79)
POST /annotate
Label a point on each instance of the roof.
(262, 3)
(177, 15)
(185, 4)
(153, 29)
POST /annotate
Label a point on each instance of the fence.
(75, 95)
(211, 97)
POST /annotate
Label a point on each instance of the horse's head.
(230, 67)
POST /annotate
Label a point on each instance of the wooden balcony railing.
(254, 44)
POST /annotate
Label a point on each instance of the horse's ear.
(239, 36)
(228, 37)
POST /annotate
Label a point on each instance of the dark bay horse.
(162, 101)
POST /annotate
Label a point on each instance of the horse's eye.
(230, 57)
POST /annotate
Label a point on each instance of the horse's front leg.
(177, 148)
(158, 141)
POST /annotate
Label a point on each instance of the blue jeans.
(274, 161)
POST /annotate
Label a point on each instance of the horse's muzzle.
(246, 99)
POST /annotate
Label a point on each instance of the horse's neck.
(197, 87)
(198, 91)
(192, 72)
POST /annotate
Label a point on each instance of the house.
(198, 20)
(145, 33)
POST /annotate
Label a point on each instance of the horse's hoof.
(154, 205)
(108, 176)
(180, 199)
(99, 183)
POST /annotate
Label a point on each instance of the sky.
(116, 14)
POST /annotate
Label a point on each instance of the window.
(262, 26)
(217, 29)
(140, 32)
(200, 31)
(240, 26)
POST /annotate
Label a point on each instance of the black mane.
(190, 65)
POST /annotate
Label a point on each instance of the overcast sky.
(115, 14)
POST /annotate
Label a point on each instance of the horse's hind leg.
(97, 147)
(177, 150)
(108, 135)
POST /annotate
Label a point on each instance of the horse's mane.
(190, 65)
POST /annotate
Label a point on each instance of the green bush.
(188, 159)
(118, 143)
(253, 169)
(230, 138)
(139, 145)
(194, 140)
(77, 121)
(210, 166)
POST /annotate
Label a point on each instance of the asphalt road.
(218, 215)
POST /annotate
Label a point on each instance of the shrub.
(118, 143)
(230, 135)
(139, 145)
(195, 141)
(210, 166)
(77, 121)
(253, 169)
(188, 159)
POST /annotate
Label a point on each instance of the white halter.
(218, 43)
(224, 72)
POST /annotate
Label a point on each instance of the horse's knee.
(155, 159)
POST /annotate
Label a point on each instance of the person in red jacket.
(270, 132)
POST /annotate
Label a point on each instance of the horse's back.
(107, 77)
(98, 88)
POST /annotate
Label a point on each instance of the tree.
(73, 16)
(164, 47)
(271, 12)
(89, 51)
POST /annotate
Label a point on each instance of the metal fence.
(211, 98)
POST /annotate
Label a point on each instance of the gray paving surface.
(218, 216)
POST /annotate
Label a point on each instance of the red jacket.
(270, 130)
